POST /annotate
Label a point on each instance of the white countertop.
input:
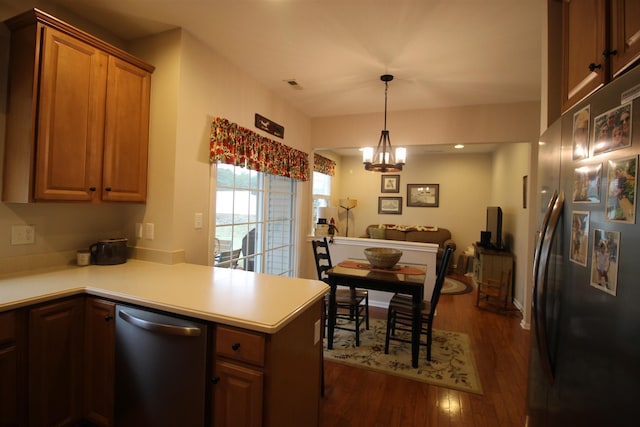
(259, 302)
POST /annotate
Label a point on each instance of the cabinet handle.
(215, 380)
(107, 189)
(235, 347)
(608, 52)
(592, 67)
(92, 188)
(108, 318)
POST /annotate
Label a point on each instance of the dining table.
(402, 279)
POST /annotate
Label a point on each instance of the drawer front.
(7, 327)
(240, 345)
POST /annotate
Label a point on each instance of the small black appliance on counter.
(109, 251)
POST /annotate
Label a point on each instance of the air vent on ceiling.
(294, 84)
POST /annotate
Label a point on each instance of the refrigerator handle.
(541, 264)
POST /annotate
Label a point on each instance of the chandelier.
(384, 159)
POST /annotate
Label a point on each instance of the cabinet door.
(126, 133)
(625, 34)
(99, 368)
(583, 42)
(12, 373)
(237, 396)
(55, 363)
(70, 126)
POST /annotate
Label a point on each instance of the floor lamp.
(348, 204)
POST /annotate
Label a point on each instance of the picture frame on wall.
(423, 195)
(390, 184)
(390, 205)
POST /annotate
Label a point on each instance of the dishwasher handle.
(161, 328)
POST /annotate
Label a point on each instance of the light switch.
(198, 221)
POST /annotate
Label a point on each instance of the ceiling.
(443, 53)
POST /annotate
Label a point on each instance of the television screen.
(494, 225)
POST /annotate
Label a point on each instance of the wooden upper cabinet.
(600, 40)
(625, 34)
(77, 118)
(583, 43)
(126, 133)
(71, 118)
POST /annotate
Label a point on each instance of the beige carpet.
(452, 365)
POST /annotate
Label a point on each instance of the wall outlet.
(316, 331)
(149, 231)
(23, 234)
(197, 223)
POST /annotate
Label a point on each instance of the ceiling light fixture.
(385, 159)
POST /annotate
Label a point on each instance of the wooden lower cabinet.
(99, 362)
(238, 395)
(57, 367)
(55, 363)
(12, 369)
(268, 380)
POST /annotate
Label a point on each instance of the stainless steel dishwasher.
(160, 369)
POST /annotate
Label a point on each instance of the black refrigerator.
(584, 366)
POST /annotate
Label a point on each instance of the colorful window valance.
(323, 165)
(234, 145)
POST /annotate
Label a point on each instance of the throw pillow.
(377, 233)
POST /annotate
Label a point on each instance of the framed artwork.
(604, 261)
(586, 184)
(390, 184)
(390, 205)
(579, 237)
(612, 130)
(621, 190)
(581, 120)
(423, 195)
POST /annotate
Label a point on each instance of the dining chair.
(227, 259)
(352, 304)
(400, 311)
(494, 291)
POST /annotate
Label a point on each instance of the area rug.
(455, 287)
(452, 364)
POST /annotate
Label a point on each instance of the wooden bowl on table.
(385, 258)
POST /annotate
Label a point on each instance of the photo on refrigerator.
(612, 130)
(586, 184)
(621, 200)
(604, 263)
(579, 237)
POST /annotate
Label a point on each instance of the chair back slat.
(435, 296)
(322, 257)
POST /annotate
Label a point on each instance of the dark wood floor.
(357, 397)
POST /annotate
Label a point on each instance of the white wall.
(511, 165)
(462, 202)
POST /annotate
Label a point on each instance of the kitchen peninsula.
(271, 325)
